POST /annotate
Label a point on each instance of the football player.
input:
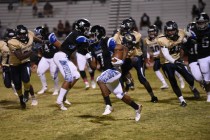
(75, 41)
(47, 52)
(110, 57)
(82, 65)
(20, 48)
(201, 33)
(5, 60)
(153, 50)
(170, 44)
(135, 55)
(190, 50)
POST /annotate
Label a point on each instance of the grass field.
(164, 120)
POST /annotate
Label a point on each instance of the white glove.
(88, 55)
(117, 62)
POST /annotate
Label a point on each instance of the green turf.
(83, 120)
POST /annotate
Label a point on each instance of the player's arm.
(53, 40)
(21, 56)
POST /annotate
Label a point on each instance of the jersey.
(136, 51)
(152, 47)
(75, 41)
(190, 49)
(103, 51)
(173, 46)
(203, 42)
(5, 53)
(48, 50)
(15, 44)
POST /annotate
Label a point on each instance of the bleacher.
(109, 15)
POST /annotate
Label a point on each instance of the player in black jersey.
(75, 41)
(47, 52)
(190, 50)
(105, 51)
(201, 34)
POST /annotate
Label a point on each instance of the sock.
(107, 100)
(134, 105)
(181, 99)
(61, 95)
(43, 80)
(160, 76)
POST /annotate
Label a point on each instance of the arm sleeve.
(167, 55)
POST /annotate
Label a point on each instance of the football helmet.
(10, 33)
(97, 32)
(82, 25)
(202, 21)
(22, 33)
(129, 41)
(126, 26)
(152, 31)
(191, 25)
(171, 30)
(40, 31)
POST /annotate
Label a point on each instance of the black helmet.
(10, 33)
(202, 21)
(191, 25)
(152, 31)
(97, 32)
(171, 27)
(82, 25)
(40, 30)
(22, 33)
(126, 26)
(129, 40)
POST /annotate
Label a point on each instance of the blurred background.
(59, 15)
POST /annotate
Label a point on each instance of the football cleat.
(87, 86)
(93, 84)
(55, 92)
(183, 104)
(164, 86)
(138, 113)
(42, 90)
(61, 106)
(67, 102)
(108, 110)
(154, 99)
(34, 102)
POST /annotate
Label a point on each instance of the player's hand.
(88, 55)
(116, 62)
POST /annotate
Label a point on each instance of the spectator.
(48, 9)
(194, 12)
(10, 6)
(158, 23)
(201, 5)
(46, 28)
(35, 9)
(60, 28)
(67, 28)
(145, 21)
